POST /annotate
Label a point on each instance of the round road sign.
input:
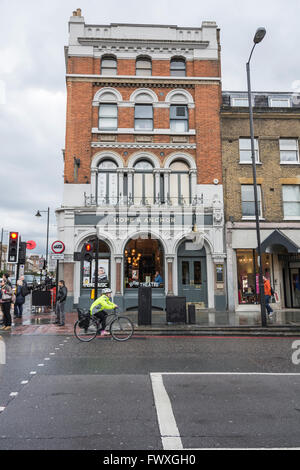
(58, 247)
(30, 245)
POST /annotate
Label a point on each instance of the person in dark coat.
(60, 303)
(20, 300)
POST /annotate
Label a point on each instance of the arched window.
(143, 182)
(107, 183)
(143, 66)
(178, 67)
(108, 65)
(179, 183)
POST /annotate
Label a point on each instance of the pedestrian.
(20, 299)
(157, 278)
(6, 300)
(60, 303)
(268, 294)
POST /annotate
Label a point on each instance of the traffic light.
(13, 247)
(22, 252)
(88, 251)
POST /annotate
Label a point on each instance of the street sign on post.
(58, 247)
(58, 256)
(30, 245)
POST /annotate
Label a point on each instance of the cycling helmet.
(106, 291)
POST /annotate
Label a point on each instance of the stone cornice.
(133, 145)
(163, 45)
(266, 113)
(137, 81)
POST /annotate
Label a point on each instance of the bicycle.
(87, 326)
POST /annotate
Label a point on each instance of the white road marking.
(169, 432)
(2, 408)
(24, 382)
(230, 373)
(52, 354)
(41, 365)
(2, 351)
(168, 428)
(46, 358)
(13, 394)
(32, 372)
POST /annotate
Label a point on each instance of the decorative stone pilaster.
(170, 262)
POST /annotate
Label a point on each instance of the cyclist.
(104, 303)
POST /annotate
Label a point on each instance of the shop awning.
(278, 238)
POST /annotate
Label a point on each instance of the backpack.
(272, 291)
(25, 290)
(83, 318)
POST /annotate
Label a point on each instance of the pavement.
(40, 321)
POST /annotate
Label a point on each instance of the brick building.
(143, 162)
(277, 134)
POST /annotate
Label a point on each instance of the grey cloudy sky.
(32, 84)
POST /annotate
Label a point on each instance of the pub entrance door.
(192, 274)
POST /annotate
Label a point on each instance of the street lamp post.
(259, 35)
(38, 214)
(1, 250)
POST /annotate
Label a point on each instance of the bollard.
(144, 305)
(192, 314)
(2, 351)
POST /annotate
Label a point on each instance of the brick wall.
(270, 173)
(82, 116)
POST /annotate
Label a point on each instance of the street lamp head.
(38, 214)
(259, 35)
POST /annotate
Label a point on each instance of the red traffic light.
(14, 235)
(88, 247)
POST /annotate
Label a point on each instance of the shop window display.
(248, 275)
(144, 264)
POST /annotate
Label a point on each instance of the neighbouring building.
(142, 162)
(277, 134)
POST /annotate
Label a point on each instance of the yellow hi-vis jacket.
(104, 303)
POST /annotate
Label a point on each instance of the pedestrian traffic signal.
(13, 247)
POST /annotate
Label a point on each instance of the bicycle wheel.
(86, 334)
(121, 328)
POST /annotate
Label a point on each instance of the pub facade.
(142, 163)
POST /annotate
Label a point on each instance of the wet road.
(58, 393)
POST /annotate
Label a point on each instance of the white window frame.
(289, 217)
(256, 149)
(272, 100)
(235, 99)
(101, 119)
(289, 162)
(259, 195)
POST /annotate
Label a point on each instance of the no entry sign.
(58, 247)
